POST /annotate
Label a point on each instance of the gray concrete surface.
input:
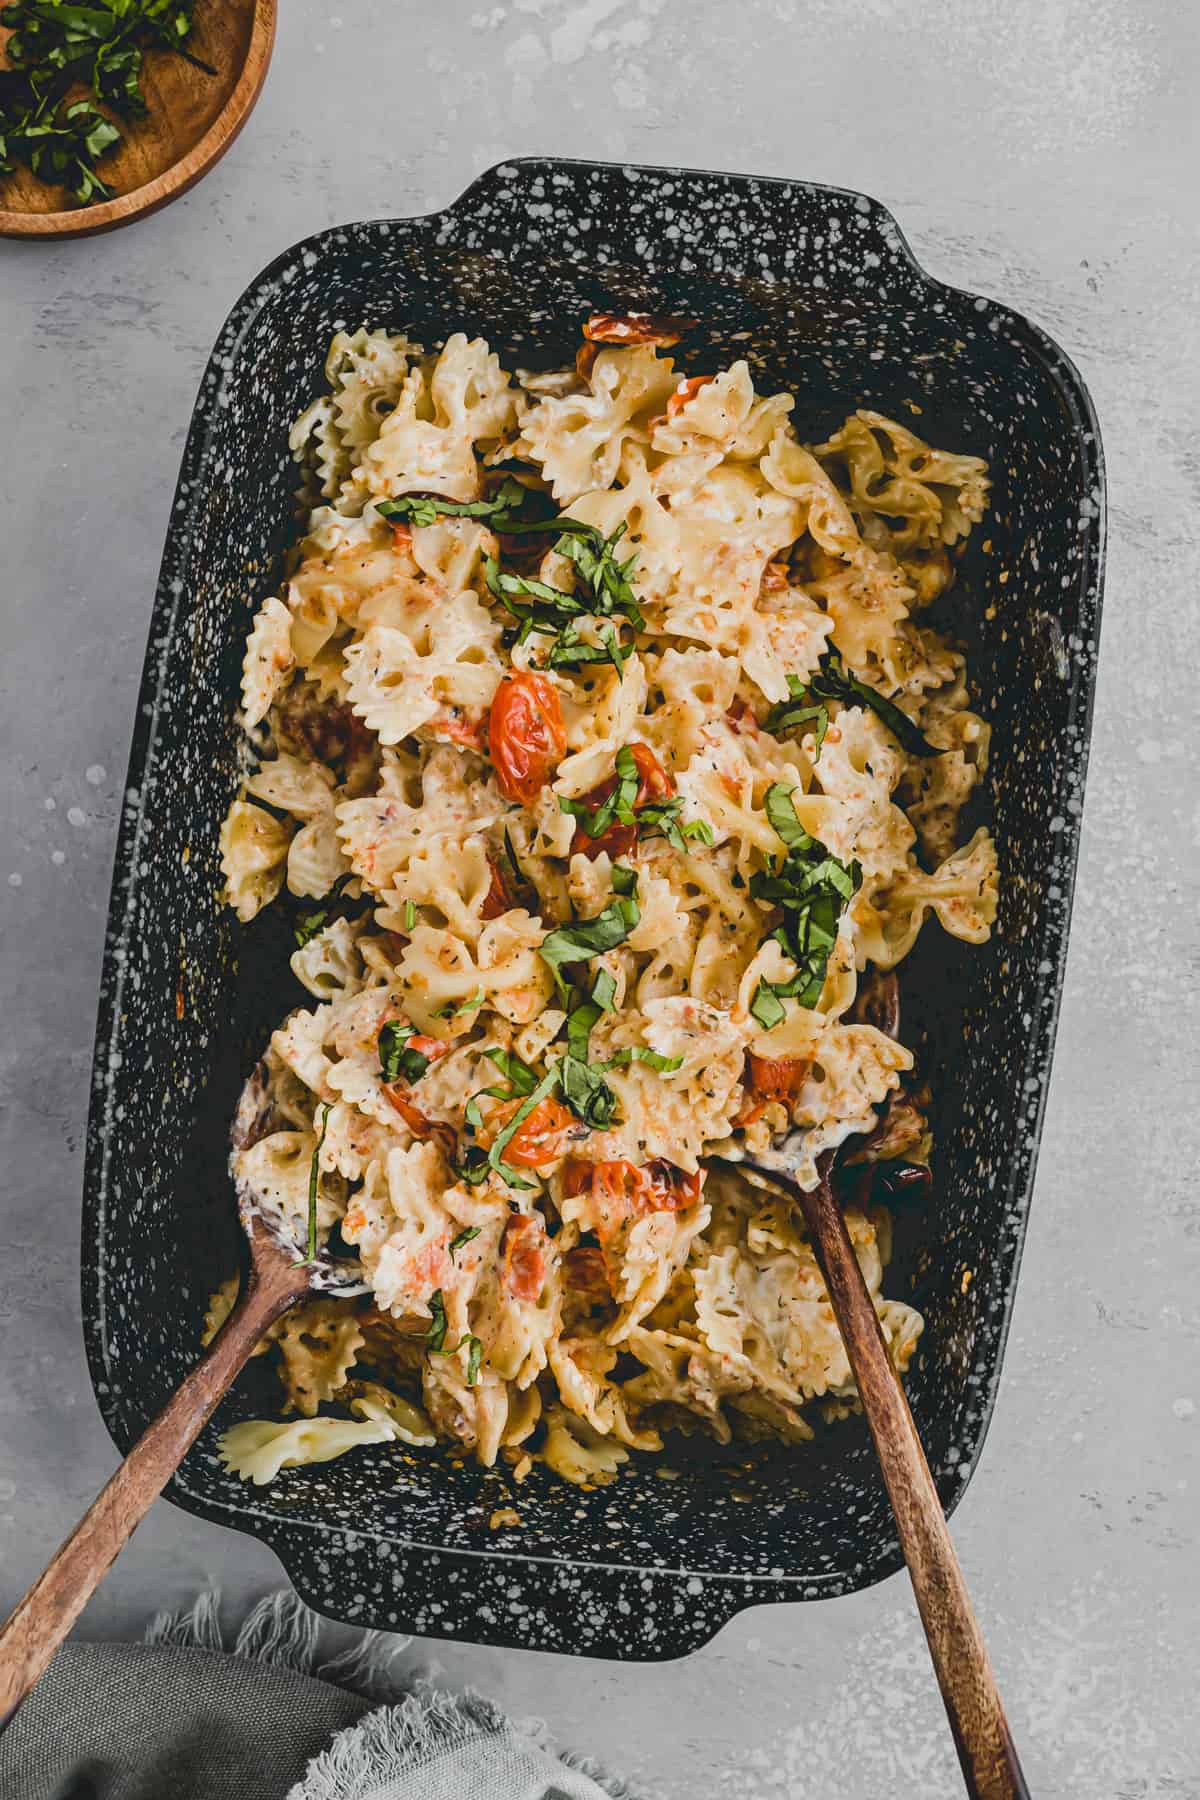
(1043, 151)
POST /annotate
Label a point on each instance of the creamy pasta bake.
(608, 763)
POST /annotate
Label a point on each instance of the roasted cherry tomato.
(540, 1138)
(497, 901)
(668, 1189)
(654, 785)
(526, 735)
(771, 1079)
(633, 328)
(776, 1077)
(523, 1256)
(421, 1127)
(624, 328)
(586, 1273)
(622, 1189)
(687, 390)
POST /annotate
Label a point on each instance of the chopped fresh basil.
(570, 651)
(812, 889)
(314, 1183)
(54, 50)
(580, 1020)
(426, 509)
(308, 924)
(474, 1349)
(795, 712)
(781, 811)
(519, 1074)
(435, 1337)
(601, 590)
(766, 1006)
(834, 681)
(465, 1236)
(592, 937)
(396, 1061)
(617, 807)
(621, 807)
(586, 1092)
(663, 817)
(454, 1009)
(604, 991)
(638, 1053)
(475, 1167)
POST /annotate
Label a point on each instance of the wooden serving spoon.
(279, 1277)
(991, 1770)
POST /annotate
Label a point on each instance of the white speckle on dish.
(1184, 1409)
(96, 774)
(50, 803)
(76, 816)
(58, 858)
(14, 879)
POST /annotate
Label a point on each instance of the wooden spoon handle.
(43, 1618)
(989, 1761)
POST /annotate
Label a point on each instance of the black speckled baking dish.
(817, 289)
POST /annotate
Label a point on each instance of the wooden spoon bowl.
(279, 1277)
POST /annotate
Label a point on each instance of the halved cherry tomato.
(415, 1119)
(585, 1272)
(771, 1079)
(540, 1138)
(622, 1190)
(401, 536)
(433, 1049)
(633, 328)
(526, 735)
(654, 785)
(687, 390)
(668, 1189)
(497, 901)
(523, 1257)
(624, 328)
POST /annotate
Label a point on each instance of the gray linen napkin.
(179, 1718)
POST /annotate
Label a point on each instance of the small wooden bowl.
(192, 120)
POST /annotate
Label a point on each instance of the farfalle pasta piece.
(318, 1343)
(905, 493)
(258, 1449)
(254, 847)
(446, 406)
(578, 1452)
(269, 661)
(962, 892)
(400, 679)
(577, 439)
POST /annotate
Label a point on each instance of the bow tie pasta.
(606, 762)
